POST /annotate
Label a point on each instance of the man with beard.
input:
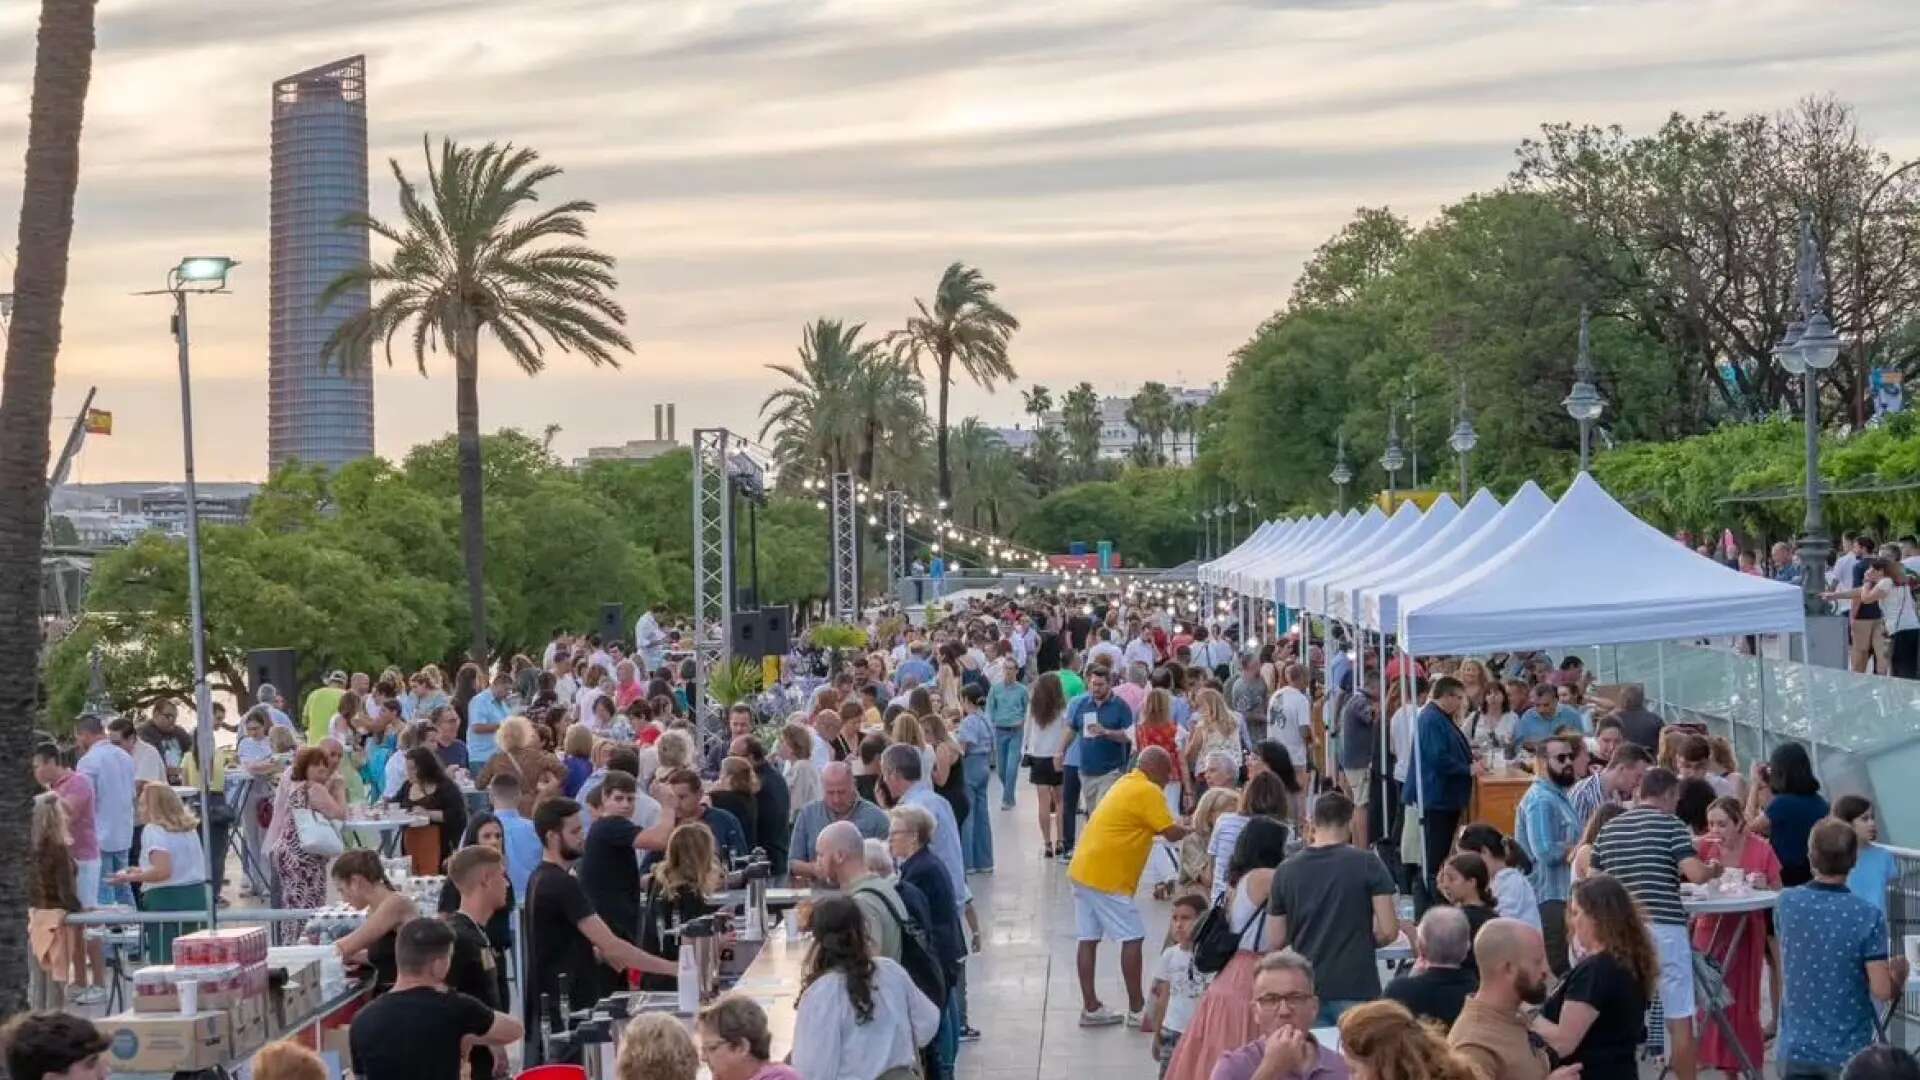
(1491, 1031)
(1548, 829)
(564, 932)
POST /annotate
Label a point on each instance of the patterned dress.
(303, 874)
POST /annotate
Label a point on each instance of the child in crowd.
(1178, 987)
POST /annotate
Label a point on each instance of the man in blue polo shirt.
(1101, 725)
(1835, 948)
(1546, 716)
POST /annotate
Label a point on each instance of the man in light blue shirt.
(485, 714)
(900, 771)
(1546, 716)
(111, 772)
(1548, 828)
(523, 844)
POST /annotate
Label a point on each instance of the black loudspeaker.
(744, 639)
(774, 625)
(613, 623)
(274, 666)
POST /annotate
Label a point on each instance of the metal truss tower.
(846, 549)
(896, 539)
(712, 571)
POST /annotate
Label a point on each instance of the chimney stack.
(656, 422)
(669, 421)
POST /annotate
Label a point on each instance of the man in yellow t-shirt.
(1105, 872)
(321, 705)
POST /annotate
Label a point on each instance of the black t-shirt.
(610, 873)
(745, 808)
(1866, 610)
(1478, 915)
(1326, 894)
(415, 1034)
(1607, 1050)
(556, 905)
(772, 809)
(1436, 993)
(475, 973)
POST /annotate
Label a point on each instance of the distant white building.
(1117, 436)
(663, 442)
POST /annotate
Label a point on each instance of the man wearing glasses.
(1547, 826)
(1284, 1007)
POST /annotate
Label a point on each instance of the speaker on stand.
(277, 667)
(613, 623)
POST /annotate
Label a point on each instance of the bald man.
(1105, 873)
(1491, 1032)
(839, 801)
(842, 862)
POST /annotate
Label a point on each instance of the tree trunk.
(61, 69)
(473, 535)
(940, 433)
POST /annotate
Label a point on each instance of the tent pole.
(1760, 670)
(1806, 700)
(1386, 746)
(1660, 663)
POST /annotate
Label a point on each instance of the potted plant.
(831, 638)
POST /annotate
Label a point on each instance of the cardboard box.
(146, 1042)
(247, 1025)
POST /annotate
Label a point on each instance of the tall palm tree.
(1186, 421)
(1039, 402)
(1151, 412)
(964, 326)
(991, 483)
(62, 68)
(847, 402)
(474, 258)
(1080, 415)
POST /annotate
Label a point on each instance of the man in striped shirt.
(1651, 851)
(1615, 783)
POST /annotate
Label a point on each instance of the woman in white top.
(173, 866)
(1043, 742)
(860, 1016)
(1265, 798)
(797, 768)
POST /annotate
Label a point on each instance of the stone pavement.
(1022, 992)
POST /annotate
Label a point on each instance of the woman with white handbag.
(304, 836)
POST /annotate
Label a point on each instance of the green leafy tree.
(472, 259)
(992, 490)
(1080, 415)
(1146, 513)
(964, 326)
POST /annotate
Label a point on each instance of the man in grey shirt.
(1359, 730)
(840, 801)
(1248, 697)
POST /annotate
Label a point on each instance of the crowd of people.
(1296, 812)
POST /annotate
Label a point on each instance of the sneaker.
(1134, 1019)
(969, 1034)
(92, 995)
(1006, 806)
(1101, 1017)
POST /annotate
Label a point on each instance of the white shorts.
(1103, 915)
(86, 882)
(1676, 970)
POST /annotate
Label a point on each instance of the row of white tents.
(1533, 573)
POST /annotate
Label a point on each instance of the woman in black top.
(949, 779)
(362, 882)
(429, 790)
(677, 891)
(735, 794)
(1596, 1017)
(1464, 881)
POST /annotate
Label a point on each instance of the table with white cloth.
(1715, 1000)
(387, 828)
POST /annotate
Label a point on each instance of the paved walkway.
(1022, 992)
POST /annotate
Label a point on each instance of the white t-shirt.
(1402, 740)
(1108, 654)
(822, 755)
(189, 863)
(250, 751)
(1294, 716)
(147, 763)
(395, 776)
(1185, 986)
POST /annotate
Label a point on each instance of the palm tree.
(847, 402)
(991, 480)
(62, 68)
(1151, 412)
(966, 326)
(463, 265)
(1080, 415)
(1039, 403)
(1186, 420)
(1044, 459)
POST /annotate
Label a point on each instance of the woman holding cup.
(1729, 843)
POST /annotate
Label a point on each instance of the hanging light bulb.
(890, 535)
(819, 504)
(872, 520)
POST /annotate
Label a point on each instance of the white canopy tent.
(1380, 607)
(1416, 551)
(1240, 577)
(1615, 580)
(1294, 594)
(1317, 596)
(1213, 572)
(1262, 539)
(1269, 578)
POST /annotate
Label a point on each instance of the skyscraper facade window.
(316, 411)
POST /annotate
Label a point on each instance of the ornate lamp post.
(1463, 439)
(1584, 402)
(1394, 459)
(1807, 348)
(1341, 474)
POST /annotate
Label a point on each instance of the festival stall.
(1418, 550)
(1317, 593)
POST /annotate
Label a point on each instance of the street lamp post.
(1807, 348)
(1583, 402)
(1413, 439)
(1341, 474)
(1463, 439)
(1394, 458)
(202, 274)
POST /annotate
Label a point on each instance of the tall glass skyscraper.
(315, 411)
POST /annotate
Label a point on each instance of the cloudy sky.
(1141, 177)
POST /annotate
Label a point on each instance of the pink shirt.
(76, 795)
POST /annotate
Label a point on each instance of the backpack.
(1215, 940)
(916, 952)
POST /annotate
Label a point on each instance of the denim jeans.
(1006, 757)
(111, 863)
(1069, 806)
(976, 833)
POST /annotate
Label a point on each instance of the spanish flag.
(99, 422)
